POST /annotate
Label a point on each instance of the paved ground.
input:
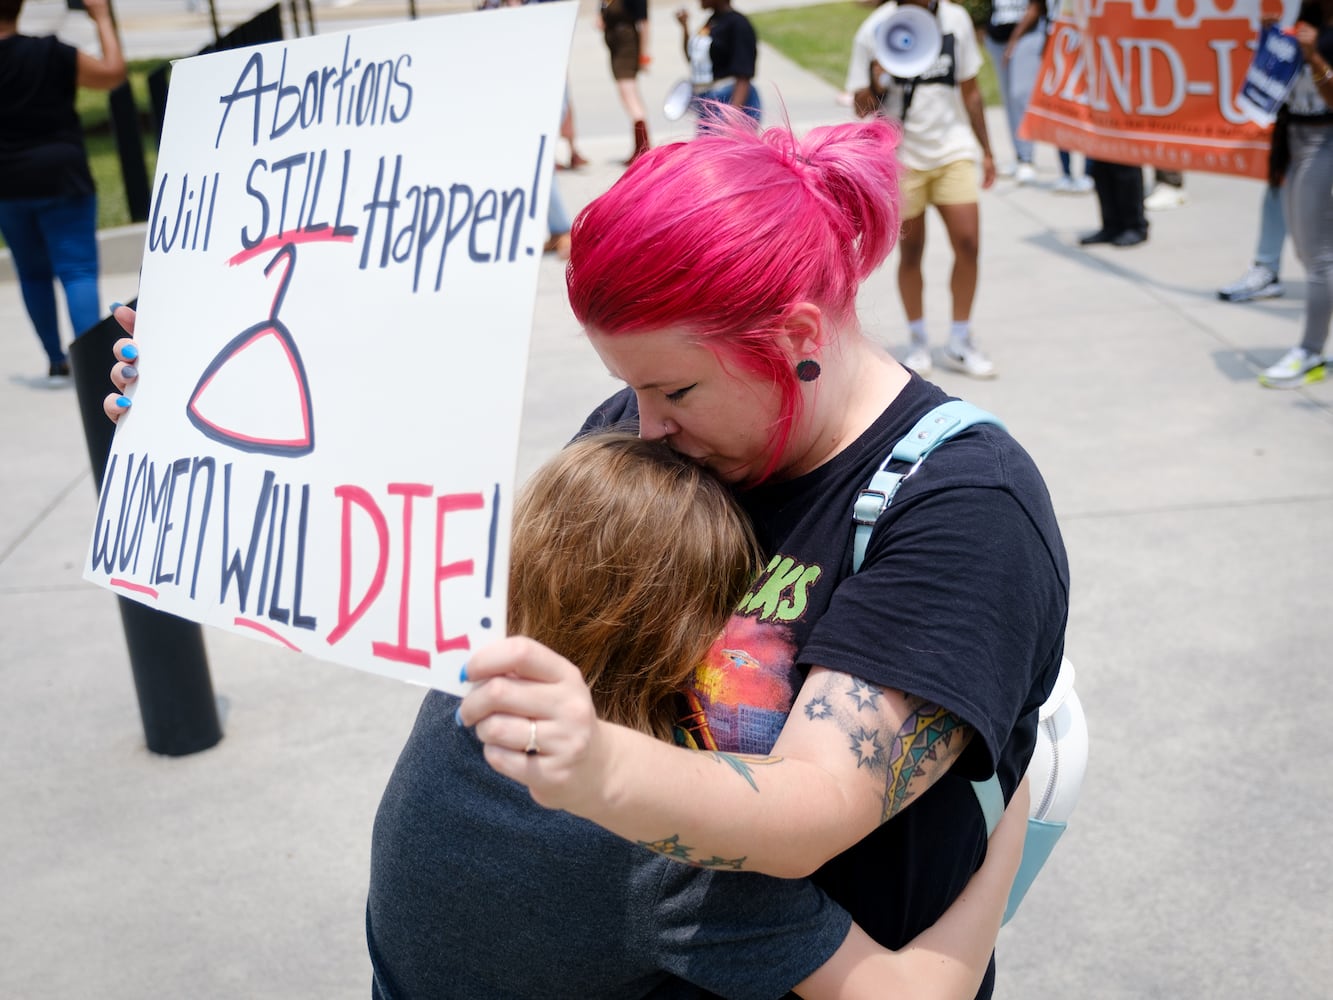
(1195, 507)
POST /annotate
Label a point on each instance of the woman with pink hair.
(718, 280)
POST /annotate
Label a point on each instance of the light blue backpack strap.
(991, 798)
(1037, 846)
(930, 431)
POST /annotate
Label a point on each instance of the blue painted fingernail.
(123, 402)
(462, 674)
(458, 717)
(115, 306)
(129, 352)
(129, 371)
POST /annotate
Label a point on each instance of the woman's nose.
(653, 424)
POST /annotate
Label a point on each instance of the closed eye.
(679, 394)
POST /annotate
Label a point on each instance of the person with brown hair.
(629, 559)
(48, 202)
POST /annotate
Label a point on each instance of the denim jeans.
(557, 218)
(1272, 231)
(722, 95)
(54, 238)
(1016, 78)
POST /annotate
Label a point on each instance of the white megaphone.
(908, 42)
(678, 100)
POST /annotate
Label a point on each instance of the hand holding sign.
(1277, 61)
(347, 162)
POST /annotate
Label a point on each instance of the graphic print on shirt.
(741, 694)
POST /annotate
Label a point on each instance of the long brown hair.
(628, 559)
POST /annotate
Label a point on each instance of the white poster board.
(334, 314)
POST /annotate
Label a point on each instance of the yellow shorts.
(952, 184)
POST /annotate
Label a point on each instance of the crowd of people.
(48, 205)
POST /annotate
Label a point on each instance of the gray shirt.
(476, 891)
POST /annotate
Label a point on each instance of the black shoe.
(1100, 236)
(59, 369)
(1129, 238)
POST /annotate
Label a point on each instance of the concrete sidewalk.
(1194, 506)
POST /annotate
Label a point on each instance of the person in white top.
(944, 134)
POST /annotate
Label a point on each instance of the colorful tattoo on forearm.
(671, 847)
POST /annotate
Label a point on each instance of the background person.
(843, 715)
(624, 26)
(1263, 279)
(48, 204)
(1309, 201)
(723, 55)
(1119, 189)
(1015, 38)
(1068, 182)
(943, 129)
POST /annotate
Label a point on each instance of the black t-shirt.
(962, 600)
(41, 140)
(734, 48)
(616, 13)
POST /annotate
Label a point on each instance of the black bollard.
(167, 658)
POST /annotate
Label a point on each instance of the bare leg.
(911, 285)
(963, 223)
(629, 97)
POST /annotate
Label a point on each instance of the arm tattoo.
(671, 847)
(910, 759)
(743, 764)
(924, 746)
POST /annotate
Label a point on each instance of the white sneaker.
(1256, 283)
(918, 359)
(1165, 197)
(1007, 170)
(1072, 185)
(1025, 173)
(961, 356)
(1296, 368)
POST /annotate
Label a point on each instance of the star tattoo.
(864, 694)
(818, 708)
(866, 746)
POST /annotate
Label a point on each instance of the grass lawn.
(94, 112)
(820, 39)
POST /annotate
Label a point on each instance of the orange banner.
(1151, 82)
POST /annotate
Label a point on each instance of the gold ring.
(532, 747)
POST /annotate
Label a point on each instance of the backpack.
(1060, 755)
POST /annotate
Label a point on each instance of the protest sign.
(1151, 82)
(1276, 62)
(335, 306)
